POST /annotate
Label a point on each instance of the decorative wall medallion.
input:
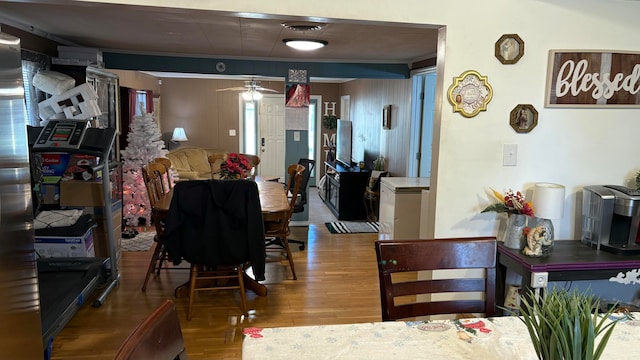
(470, 93)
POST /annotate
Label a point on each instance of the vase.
(513, 237)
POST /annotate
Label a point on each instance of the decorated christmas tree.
(144, 145)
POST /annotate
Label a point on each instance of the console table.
(569, 260)
(344, 188)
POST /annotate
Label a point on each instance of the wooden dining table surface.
(273, 199)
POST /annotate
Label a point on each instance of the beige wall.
(137, 80)
(207, 115)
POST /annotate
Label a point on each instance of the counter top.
(397, 183)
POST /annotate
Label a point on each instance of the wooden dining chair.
(168, 171)
(156, 184)
(408, 285)
(152, 175)
(276, 225)
(158, 337)
(216, 225)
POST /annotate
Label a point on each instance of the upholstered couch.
(192, 162)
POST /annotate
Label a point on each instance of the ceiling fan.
(252, 90)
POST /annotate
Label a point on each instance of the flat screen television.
(343, 142)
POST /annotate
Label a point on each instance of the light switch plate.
(232, 132)
(510, 155)
(296, 136)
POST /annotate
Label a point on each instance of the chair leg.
(163, 256)
(243, 295)
(285, 242)
(192, 288)
(152, 264)
(301, 244)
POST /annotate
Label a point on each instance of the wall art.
(509, 48)
(584, 78)
(470, 93)
(523, 118)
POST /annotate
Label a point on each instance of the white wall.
(574, 147)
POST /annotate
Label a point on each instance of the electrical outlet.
(539, 279)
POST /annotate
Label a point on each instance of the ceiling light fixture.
(305, 44)
(252, 95)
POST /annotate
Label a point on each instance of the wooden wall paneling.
(368, 97)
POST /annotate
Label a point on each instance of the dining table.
(503, 337)
(273, 199)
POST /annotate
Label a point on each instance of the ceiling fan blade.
(234, 89)
(260, 88)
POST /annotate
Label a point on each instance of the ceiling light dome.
(305, 44)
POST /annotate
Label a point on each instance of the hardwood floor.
(337, 283)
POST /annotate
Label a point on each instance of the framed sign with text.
(586, 78)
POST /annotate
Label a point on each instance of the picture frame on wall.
(523, 118)
(470, 93)
(509, 49)
(386, 117)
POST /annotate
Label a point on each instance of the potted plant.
(564, 325)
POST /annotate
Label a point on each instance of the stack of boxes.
(85, 194)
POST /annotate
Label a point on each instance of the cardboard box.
(101, 242)
(50, 194)
(54, 166)
(81, 193)
(65, 246)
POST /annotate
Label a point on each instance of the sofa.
(192, 163)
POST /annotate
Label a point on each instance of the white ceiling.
(170, 31)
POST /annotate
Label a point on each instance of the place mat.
(141, 242)
(352, 227)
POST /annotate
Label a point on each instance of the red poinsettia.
(235, 167)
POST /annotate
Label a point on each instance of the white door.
(271, 136)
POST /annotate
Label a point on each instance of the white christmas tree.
(144, 145)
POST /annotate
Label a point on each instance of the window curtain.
(150, 102)
(138, 100)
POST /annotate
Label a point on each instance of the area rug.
(141, 242)
(352, 227)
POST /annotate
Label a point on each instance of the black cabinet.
(344, 188)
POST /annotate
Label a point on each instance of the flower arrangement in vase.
(514, 204)
(236, 166)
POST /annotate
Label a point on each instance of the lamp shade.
(179, 135)
(548, 200)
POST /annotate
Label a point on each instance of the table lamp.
(548, 204)
(178, 136)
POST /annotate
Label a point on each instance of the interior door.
(422, 107)
(271, 136)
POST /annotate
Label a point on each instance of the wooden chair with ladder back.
(276, 225)
(216, 226)
(410, 286)
(156, 182)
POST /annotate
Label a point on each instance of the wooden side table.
(569, 260)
